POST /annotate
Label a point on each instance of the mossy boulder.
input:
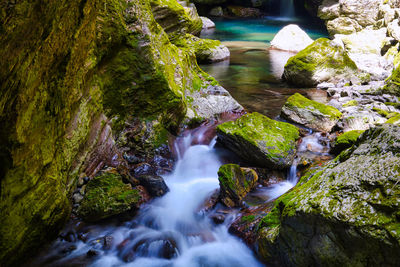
(345, 214)
(322, 61)
(206, 50)
(235, 182)
(345, 140)
(107, 195)
(395, 119)
(176, 19)
(259, 140)
(309, 113)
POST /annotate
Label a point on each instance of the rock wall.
(74, 74)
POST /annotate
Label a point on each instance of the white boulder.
(291, 38)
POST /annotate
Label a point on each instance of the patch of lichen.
(106, 195)
(350, 103)
(299, 101)
(394, 119)
(321, 56)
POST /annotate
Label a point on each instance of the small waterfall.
(287, 8)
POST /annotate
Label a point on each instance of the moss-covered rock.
(206, 50)
(69, 69)
(260, 140)
(322, 61)
(107, 195)
(395, 119)
(310, 113)
(347, 213)
(176, 19)
(345, 141)
(393, 83)
(235, 183)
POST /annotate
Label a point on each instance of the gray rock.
(154, 184)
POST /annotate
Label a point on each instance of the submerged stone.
(235, 182)
(322, 61)
(107, 195)
(310, 113)
(347, 213)
(260, 140)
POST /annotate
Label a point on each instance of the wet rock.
(260, 140)
(68, 249)
(235, 182)
(106, 195)
(268, 177)
(310, 113)
(349, 208)
(218, 218)
(245, 227)
(217, 12)
(322, 61)
(143, 169)
(92, 253)
(298, 39)
(210, 202)
(244, 12)
(77, 197)
(108, 242)
(154, 184)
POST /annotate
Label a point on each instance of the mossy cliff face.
(322, 61)
(67, 69)
(345, 214)
(259, 140)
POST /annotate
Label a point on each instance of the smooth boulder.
(345, 140)
(154, 184)
(298, 39)
(235, 182)
(345, 214)
(310, 113)
(322, 61)
(259, 140)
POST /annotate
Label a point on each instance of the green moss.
(381, 112)
(396, 105)
(350, 103)
(348, 138)
(321, 56)
(393, 83)
(202, 48)
(248, 219)
(395, 119)
(276, 139)
(299, 101)
(106, 195)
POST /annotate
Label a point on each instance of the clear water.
(253, 73)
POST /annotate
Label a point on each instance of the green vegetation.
(350, 103)
(322, 56)
(301, 102)
(106, 195)
(260, 139)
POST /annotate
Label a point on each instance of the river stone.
(154, 184)
(259, 140)
(310, 113)
(346, 214)
(244, 12)
(235, 183)
(322, 61)
(107, 195)
(298, 39)
(207, 23)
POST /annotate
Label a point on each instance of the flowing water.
(173, 230)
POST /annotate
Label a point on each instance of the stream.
(173, 230)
